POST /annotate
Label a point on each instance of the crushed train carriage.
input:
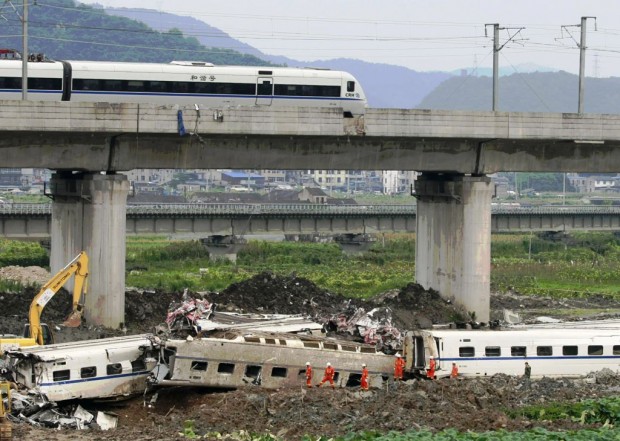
(235, 358)
(104, 369)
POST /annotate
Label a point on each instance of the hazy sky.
(422, 35)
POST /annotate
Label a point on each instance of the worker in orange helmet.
(364, 379)
(399, 367)
(328, 376)
(455, 371)
(430, 373)
(308, 375)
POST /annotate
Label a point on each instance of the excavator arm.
(78, 267)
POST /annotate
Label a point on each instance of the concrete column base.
(89, 213)
(453, 242)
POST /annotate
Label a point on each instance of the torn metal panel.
(258, 322)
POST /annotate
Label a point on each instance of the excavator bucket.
(74, 320)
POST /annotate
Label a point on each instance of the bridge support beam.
(89, 213)
(453, 242)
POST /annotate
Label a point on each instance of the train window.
(616, 349)
(348, 348)
(367, 350)
(111, 85)
(270, 341)
(282, 342)
(45, 83)
(135, 86)
(278, 372)
(493, 351)
(252, 339)
(138, 365)
(86, 84)
(350, 86)
(544, 351)
(63, 375)
(265, 72)
(332, 346)
(225, 368)
(88, 372)
(518, 351)
(114, 369)
(466, 351)
(157, 86)
(199, 365)
(595, 350)
(311, 344)
(569, 350)
(10, 83)
(253, 371)
(354, 380)
(181, 87)
(285, 89)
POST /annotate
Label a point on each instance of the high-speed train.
(570, 349)
(183, 82)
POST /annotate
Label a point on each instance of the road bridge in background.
(33, 221)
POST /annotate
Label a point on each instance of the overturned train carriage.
(104, 369)
(231, 359)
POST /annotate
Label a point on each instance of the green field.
(578, 265)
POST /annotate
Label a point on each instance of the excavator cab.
(46, 333)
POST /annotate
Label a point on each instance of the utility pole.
(496, 49)
(25, 52)
(582, 57)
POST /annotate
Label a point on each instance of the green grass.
(579, 265)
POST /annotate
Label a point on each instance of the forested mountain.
(64, 29)
(532, 92)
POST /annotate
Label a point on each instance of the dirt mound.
(30, 275)
(478, 404)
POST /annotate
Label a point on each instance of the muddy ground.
(471, 404)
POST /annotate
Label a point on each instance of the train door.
(439, 345)
(264, 91)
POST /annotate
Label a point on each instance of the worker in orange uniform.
(399, 367)
(430, 373)
(455, 371)
(328, 376)
(364, 379)
(308, 375)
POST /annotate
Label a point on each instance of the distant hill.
(530, 92)
(385, 85)
(62, 29)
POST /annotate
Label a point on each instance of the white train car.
(104, 369)
(233, 359)
(183, 83)
(552, 350)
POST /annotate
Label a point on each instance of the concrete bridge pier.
(89, 213)
(352, 243)
(453, 242)
(224, 246)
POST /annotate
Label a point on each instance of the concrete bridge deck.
(119, 137)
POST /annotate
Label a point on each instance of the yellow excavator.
(37, 333)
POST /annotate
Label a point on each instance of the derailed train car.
(104, 369)
(234, 358)
(571, 349)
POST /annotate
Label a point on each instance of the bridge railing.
(223, 209)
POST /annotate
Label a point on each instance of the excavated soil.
(464, 404)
